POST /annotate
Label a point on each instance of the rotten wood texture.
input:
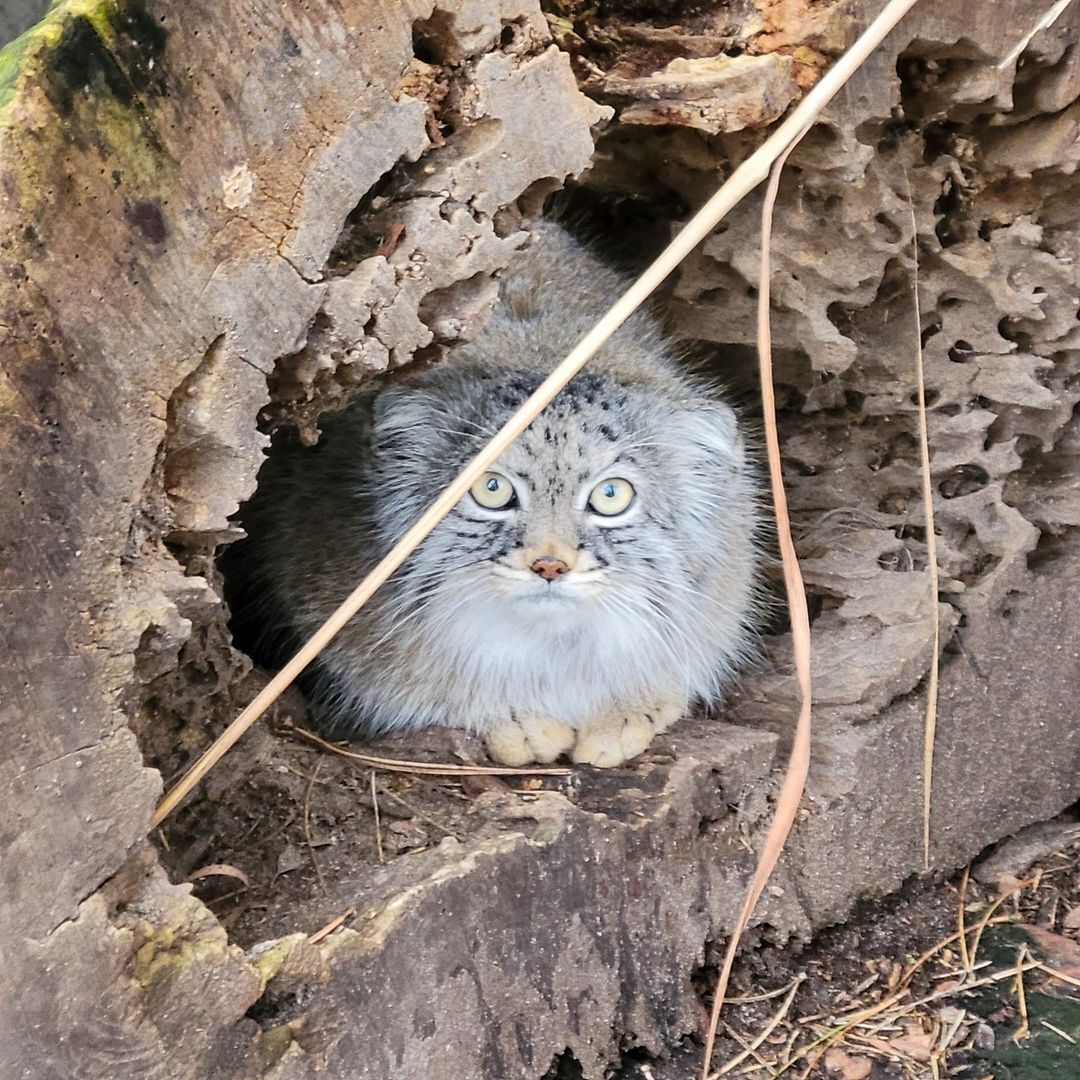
(210, 214)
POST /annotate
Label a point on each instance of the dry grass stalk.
(331, 926)
(1048, 19)
(378, 819)
(416, 813)
(787, 803)
(1021, 999)
(961, 920)
(1057, 1031)
(743, 180)
(751, 1048)
(767, 995)
(988, 920)
(930, 726)
(1059, 975)
(307, 826)
(425, 768)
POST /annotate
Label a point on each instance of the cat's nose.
(549, 568)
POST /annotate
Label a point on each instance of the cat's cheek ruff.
(652, 635)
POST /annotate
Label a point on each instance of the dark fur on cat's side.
(542, 612)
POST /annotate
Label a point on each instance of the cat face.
(602, 507)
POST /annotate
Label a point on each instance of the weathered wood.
(201, 211)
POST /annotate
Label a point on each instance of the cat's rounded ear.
(401, 414)
(712, 427)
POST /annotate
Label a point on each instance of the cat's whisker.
(653, 614)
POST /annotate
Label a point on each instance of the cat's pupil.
(493, 484)
(609, 491)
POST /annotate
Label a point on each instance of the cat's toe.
(548, 738)
(508, 746)
(665, 714)
(613, 741)
(637, 732)
(526, 739)
(592, 749)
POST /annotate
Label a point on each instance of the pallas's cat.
(595, 583)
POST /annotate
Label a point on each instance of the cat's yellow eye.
(493, 492)
(611, 497)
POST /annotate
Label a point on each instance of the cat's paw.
(623, 735)
(525, 739)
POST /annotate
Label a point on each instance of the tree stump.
(215, 219)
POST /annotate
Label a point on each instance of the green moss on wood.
(97, 67)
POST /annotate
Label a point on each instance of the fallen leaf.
(390, 239)
(915, 1045)
(290, 859)
(846, 1067)
(219, 870)
(1072, 920)
(1061, 953)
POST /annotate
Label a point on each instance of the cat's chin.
(549, 599)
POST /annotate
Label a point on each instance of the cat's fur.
(657, 607)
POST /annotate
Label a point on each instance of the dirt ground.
(288, 815)
(891, 995)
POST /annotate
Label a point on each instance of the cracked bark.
(202, 231)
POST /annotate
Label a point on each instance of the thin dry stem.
(985, 921)
(743, 180)
(770, 1027)
(1047, 20)
(1055, 974)
(1057, 1031)
(930, 725)
(416, 813)
(307, 826)
(787, 803)
(1021, 999)
(425, 768)
(378, 819)
(331, 926)
(768, 995)
(759, 1062)
(961, 923)
(799, 762)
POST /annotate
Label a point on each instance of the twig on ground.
(1021, 999)
(770, 1027)
(418, 814)
(331, 926)
(1057, 1031)
(1055, 974)
(987, 918)
(378, 819)
(307, 826)
(424, 768)
(768, 995)
(748, 1049)
(961, 923)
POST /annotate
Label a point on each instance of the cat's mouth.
(528, 587)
